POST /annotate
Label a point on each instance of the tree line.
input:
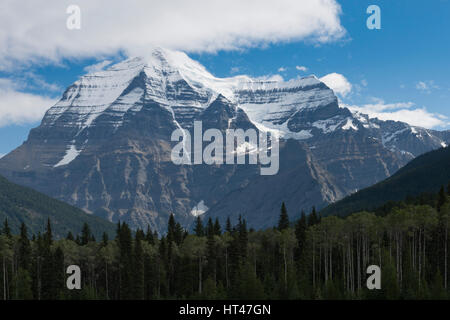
(312, 258)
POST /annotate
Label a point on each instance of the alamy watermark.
(374, 280)
(74, 280)
(374, 20)
(73, 21)
(237, 145)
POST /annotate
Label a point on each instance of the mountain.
(105, 146)
(21, 204)
(424, 174)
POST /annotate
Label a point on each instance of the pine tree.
(442, 198)
(105, 239)
(149, 236)
(179, 234)
(139, 267)
(217, 228)
(228, 227)
(313, 219)
(171, 225)
(210, 228)
(211, 255)
(163, 249)
(243, 237)
(283, 222)
(6, 229)
(59, 272)
(24, 248)
(300, 234)
(198, 229)
(49, 283)
(48, 235)
(125, 261)
(70, 236)
(85, 234)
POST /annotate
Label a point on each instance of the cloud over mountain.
(18, 107)
(37, 30)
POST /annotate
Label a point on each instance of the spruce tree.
(217, 228)
(125, 261)
(149, 236)
(210, 228)
(48, 276)
(59, 272)
(171, 225)
(70, 236)
(228, 227)
(313, 219)
(138, 267)
(442, 198)
(283, 222)
(243, 237)
(198, 229)
(105, 239)
(24, 248)
(211, 251)
(85, 234)
(6, 229)
(179, 234)
(48, 235)
(300, 233)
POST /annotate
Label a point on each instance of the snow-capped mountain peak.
(105, 146)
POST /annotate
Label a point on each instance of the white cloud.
(35, 81)
(282, 69)
(274, 77)
(421, 85)
(32, 30)
(426, 86)
(234, 70)
(338, 83)
(402, 111)
(97, 66)
(19, 107)
(301, 68)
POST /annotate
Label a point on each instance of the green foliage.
(23, 205)
(421, 177)
(318, 258)
(283, 222)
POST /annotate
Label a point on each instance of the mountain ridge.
(21, 204)
(105, 146)
(424, 174)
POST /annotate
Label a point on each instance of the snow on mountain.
(105, 146)
(70, 155)
(92, 94)
(199, 209)
(184, 87)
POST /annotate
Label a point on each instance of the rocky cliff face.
(106, 145)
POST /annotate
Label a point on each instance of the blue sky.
(399, 69)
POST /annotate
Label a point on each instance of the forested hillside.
(424, 174)
(20, 204)
(315, 258)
